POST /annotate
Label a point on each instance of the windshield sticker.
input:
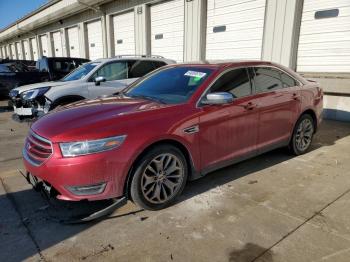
(197, 75)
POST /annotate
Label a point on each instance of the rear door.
(229, 131)
(278, 103)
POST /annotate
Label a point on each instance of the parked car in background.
(177, 123)
(101, 77)
(8, 68)
(18, 73)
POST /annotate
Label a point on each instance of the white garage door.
(4, 53)
(167, 29)
(235, 29)
(9, 54)
(19, 50)
(27, 55)
(13, 51)
(124, 34)
(44, 45)
(34, 48)
(73, 42)
(324, 42)
(57, 44)
(94, 33)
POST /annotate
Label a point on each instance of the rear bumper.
(108, 169)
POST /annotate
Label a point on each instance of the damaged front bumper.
(30, 108)
(49, 191)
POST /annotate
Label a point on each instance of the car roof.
(229, 63)
(67, 58)
(136, 58)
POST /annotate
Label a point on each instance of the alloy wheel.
(162, 178)
(303, 137)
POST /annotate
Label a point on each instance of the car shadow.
(327, 135)
(30, 223)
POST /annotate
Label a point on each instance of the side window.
(266, 79)
(235, 81)
(113, 71)
(42, 65)
(140, 68)
(158, 64)
(288, 81)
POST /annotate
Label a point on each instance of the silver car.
(102, 77)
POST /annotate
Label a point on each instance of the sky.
(12, 10)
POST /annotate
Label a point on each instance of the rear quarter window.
(288, 81)
(141, 68)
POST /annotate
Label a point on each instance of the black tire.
(295, 145)
(139, 176)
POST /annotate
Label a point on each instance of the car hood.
(24, 88)
(93, 119)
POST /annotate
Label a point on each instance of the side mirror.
(99, 79)
(218, 98)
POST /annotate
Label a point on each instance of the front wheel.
(302, 135)
(160, 177)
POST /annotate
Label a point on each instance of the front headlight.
(13, 93)
(33, 93)
(89, 147)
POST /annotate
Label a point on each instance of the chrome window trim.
(280, 69)
(252, 84)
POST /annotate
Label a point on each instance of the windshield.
(80, 72)
(173, 85)
(65, 66)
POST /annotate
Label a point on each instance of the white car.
(102, 77)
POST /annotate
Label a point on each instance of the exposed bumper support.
(49, 191)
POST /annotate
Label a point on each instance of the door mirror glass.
(218, 98)
(99, 79)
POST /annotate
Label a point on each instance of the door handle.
(250, 106)
(296, 96)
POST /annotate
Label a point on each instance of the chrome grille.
(37, 149)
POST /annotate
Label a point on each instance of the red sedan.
(176, 124)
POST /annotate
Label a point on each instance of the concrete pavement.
(274, 207)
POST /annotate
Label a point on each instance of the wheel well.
(174, 143)
(69, 99)
(313, 115)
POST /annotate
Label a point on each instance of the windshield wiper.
(159, 100)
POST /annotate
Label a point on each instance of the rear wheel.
(160, 177)
(303, 134)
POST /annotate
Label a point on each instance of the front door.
(116, 78)
(229, 132)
